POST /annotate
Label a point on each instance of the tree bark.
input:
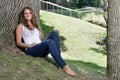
(9, 16)
(113, 40)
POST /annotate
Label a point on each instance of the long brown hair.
(33, 20)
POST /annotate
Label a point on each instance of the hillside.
(79, 49)
(79, 37)
(79, 41)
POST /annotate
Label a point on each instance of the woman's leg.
(56, 38)
(50, 46)
(44, 48)
(55, 54)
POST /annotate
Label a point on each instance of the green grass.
(14, 67)
(79, 50)
(80, 41)
(87, 15)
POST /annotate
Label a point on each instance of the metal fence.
(48, 6)
(52, 7)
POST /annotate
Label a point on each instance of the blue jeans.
(50, 45)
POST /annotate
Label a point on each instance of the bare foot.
(69, 71)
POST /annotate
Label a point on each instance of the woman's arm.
(19, 38)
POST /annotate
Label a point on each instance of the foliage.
(102, 42)
(82, 3)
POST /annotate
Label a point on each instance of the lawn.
(79, 50)
(87, 15)
(79, 41)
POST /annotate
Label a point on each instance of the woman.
(28, 30)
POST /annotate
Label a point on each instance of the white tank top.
(31, 36)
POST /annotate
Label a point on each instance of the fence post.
(53, 8)
(79, 15)
(61, 10)
(91, 16)
(47, 6)
(70, 13)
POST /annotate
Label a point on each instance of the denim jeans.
(50, 45)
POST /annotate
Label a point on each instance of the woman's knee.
(50, 41)
(54, 32)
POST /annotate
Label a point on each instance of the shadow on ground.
(84, 70)
(29, 68)
(88, 67)
(102, 51)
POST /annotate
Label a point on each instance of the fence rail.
(52, 7)
(49, 6)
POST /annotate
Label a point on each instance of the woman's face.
(27, 15)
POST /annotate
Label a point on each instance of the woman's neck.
(30, 25)
(29, 22)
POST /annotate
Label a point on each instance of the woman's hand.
(32, 45)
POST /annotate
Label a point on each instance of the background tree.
(82, 3)
(72, 3)
(9, 16)
(94, 3)
(113, 40)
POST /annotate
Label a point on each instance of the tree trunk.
(113, 40)
(9, 16)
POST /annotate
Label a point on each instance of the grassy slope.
(80, 38)
(22, 67)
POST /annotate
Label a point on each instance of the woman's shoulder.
(20, 25)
